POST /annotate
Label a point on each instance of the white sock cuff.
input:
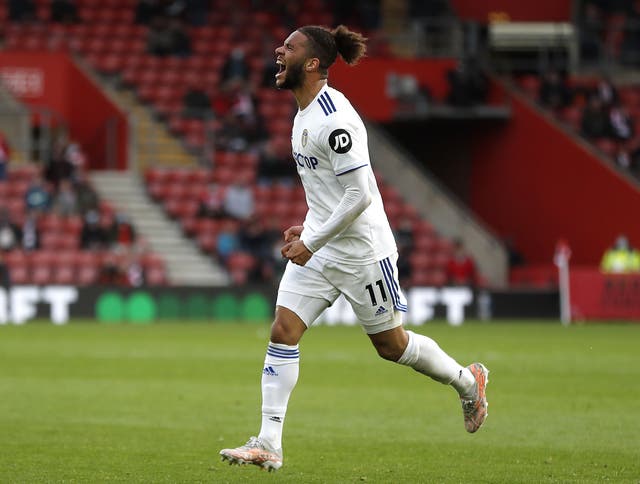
(410, 354)
(281, 354)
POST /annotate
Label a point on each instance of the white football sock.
(279, 377)
(426, 357)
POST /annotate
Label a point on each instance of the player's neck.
(308, 91)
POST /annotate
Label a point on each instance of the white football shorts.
(372, 290)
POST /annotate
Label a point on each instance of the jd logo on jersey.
(340, 141)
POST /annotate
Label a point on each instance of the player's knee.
(287, 331)
(389, 350)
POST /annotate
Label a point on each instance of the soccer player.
(345, 246)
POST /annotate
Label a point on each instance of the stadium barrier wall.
(594, 295)
(60, 304)
(52, 80)
(533, 182)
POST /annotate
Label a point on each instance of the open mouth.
(281, 68)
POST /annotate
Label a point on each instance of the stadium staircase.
(185, 264)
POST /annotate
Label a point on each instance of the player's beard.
(294, 76)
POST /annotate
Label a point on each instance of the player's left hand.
(296, 252)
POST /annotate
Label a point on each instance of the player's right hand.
(293, 233)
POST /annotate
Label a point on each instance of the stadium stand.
(107, 36)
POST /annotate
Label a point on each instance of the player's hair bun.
(350, 45)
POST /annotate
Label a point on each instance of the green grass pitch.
(122, 403)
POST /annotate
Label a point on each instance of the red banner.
(595, 295)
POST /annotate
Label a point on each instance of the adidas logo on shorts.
(381, 310)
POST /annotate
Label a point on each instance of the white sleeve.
(356, 198)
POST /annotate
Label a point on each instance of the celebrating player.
(345, 246)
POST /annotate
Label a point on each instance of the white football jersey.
(328, 140)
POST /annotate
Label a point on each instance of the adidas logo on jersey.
(381, 310)
(269, 371)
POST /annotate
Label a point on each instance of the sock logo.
(269, 371)
(275, 419)
(381, 310)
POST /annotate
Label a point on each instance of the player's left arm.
(354, 201)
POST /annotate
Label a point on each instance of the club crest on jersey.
(340, 141)
(305, 136)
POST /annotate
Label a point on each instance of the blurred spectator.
(211, 202)
(64, 11)
(125, 232)
(159, 37)
(411, 99)
(235, 66)
(9, 232)
(275, 163)
(5, 273)
(621, 258)
(61, 166)
(37, 197)
(92, 236)
(590, 32)
(607, 92)
(109, 227)
(258, 240)
(196, 103)
(595, 122)
(227, 241)
(461, 268)
(30, 233)
(22, 10)
(468, 84)
(110, 271)
(180, 40)
(5, 156)
(87, 196)
(131, 272)
(65, 201)
(147, 10)
(620, 123)
(238, 199)
(554, 91)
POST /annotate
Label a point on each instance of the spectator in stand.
(60, 166)
(30, 233)
(460, 268)
(5, 156)
(258, 240)
(235, 66)
(22, 10)
(87, 196)
(5, 273)
(227, 241)
(238, 199)
(65, 201)
(180, 40)
(37, 197)
(211, 202)
(109, 227)
(607, 92)
(196, 103)
(131, 272)
(468, 84)
(147, 10)
(159, 37)
(111, 271)
(595, 121)
(554, 91)
(620, 123)
(9, 232)
(274, 163)
(590, 31)
(92, 236)
(621, 258)
(64, 11)
(125, 232)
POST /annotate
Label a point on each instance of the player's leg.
(375, 295)
(295, 312)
